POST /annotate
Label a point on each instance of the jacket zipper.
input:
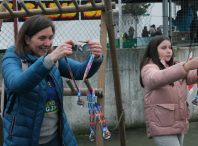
(12, 126)
(60, 109)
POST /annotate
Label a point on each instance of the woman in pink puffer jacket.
(165, 82)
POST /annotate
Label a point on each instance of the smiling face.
(165, 50)
(41, 42)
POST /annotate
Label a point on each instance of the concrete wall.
(132, 92)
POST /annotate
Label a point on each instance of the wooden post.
(2, 9)
(15, 21)
(115, 69)
(101, 75)
(69, 83)
(75, 4)
(69, 92)
(88, 85)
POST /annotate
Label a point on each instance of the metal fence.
(184, 22)
(135, 23)
(75, 26)
(145, 20)
(130, 19)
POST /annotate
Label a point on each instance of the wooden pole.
(58, 5)
(69, 92)
(23, 6)
(101, 75)
(87, 83)
(15, 22)
(7, 7)
(115, 69)
(49, 11)
(2, 9)
(75, 4)
(71, 86)
(38, 2)
(92, 3)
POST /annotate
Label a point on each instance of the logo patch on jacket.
(52, 104)
(51, 107)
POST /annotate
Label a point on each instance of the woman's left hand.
(95, 48)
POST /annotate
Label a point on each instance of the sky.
(156, 14)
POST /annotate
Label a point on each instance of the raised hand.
(192, 64)
(95, 48)
(64, 49)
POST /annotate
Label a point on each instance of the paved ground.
(137, 137)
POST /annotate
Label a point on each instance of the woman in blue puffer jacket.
(184, 17)
(37, 117)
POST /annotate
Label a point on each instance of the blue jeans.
(54, 142)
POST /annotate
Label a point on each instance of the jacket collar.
(28, 57)
(164, 62)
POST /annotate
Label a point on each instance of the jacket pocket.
(12, 126)
(164, 114)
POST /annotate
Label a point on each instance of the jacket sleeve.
(153, 77)
(192, 77)
(20, 81)
(77, 68)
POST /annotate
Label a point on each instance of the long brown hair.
(29, 28)
(151, 53)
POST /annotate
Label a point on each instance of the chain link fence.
(80, 26)
(137, 22)
(184, 22)
(133, 22)
(130, 20)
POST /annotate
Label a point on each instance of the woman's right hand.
(64, 49)
(192, 64)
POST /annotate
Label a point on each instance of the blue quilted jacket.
(22, 126)
(184, 19)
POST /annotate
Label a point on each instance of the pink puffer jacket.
(166, 106)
